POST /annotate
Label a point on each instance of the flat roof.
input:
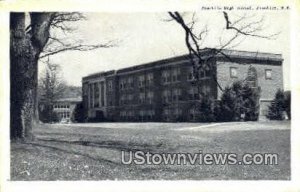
(234, 54)
(75, 100)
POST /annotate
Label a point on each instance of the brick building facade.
(165, 90)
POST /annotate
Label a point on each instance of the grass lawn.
(92, 151)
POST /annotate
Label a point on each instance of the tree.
(200, 60)
(239, 102)
(227, 106)
(287, 98)
(206, 109)
(250, 100)
(51, 87)
(27, 45)
(79, 114)
(277, 107)
(25, 49)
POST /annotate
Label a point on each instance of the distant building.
(165, 90)
(64, 108)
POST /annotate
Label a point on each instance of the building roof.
(226, 53)
(71, 100)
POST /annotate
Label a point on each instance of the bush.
(238, 102)
(79, 114)
(280, 104)
(47, 115)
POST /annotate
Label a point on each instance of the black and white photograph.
(176, 95)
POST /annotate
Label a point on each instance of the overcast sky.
(145, 37)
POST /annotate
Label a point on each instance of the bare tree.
(51, 87)
(27, 45)
(200, 57)
(51, 83)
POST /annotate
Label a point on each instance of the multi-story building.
(166, 90)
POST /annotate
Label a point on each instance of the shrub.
(79, 114)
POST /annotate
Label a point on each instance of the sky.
(144, 37)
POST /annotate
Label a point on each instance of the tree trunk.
(25, 48)
(23, 78)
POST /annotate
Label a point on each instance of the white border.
(142, 6)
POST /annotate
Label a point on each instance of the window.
(166, 77)
(190, 73)
(123, 99)
(151, 114)
(129, 98)
(142, 98)
(130, 82)
(123, 114)
(233, 72)
(150, 96)
(149, 79)
(193, 93)
(166, 96)
(192, 113)
(142, 114)
(175, 75)
(141, 81)
(268, 73)
(122, 84)
(177, 95)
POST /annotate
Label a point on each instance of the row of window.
(234, 73)
(142, 114)
(203, 73)
(168, 76)
(143, 80)
(61, 106)
(169, 113)
(64, 115)
(168, 96)
(172, 95)
(142, 98)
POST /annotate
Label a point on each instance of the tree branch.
(79, 47)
